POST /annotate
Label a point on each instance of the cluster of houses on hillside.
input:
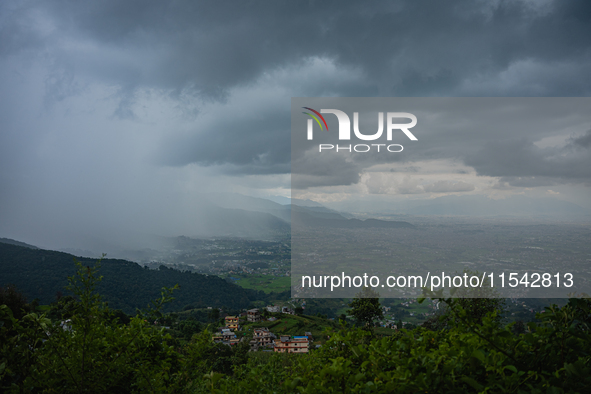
(226, 336)
(262, 338)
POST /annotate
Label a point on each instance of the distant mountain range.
(471, 205)
(309, 214)
(256, 223)
(329, 219)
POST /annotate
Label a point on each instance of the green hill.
(126, 285)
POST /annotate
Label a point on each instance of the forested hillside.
(126, 285)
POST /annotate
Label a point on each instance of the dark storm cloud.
(254, 145)
(404, 48)
(582, 141)
(206, 49)
(522, 163)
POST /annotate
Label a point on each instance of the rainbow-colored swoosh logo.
(315, 118)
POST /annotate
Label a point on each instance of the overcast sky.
(115, 115)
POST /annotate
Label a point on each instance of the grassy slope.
(266, 283)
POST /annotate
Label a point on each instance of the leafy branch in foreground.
(154, 310)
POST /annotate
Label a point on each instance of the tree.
(189, 327)
(366, 308)
(518, 327)
(15, 300)
(92, 351)
(478, 302)
(214, 314)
